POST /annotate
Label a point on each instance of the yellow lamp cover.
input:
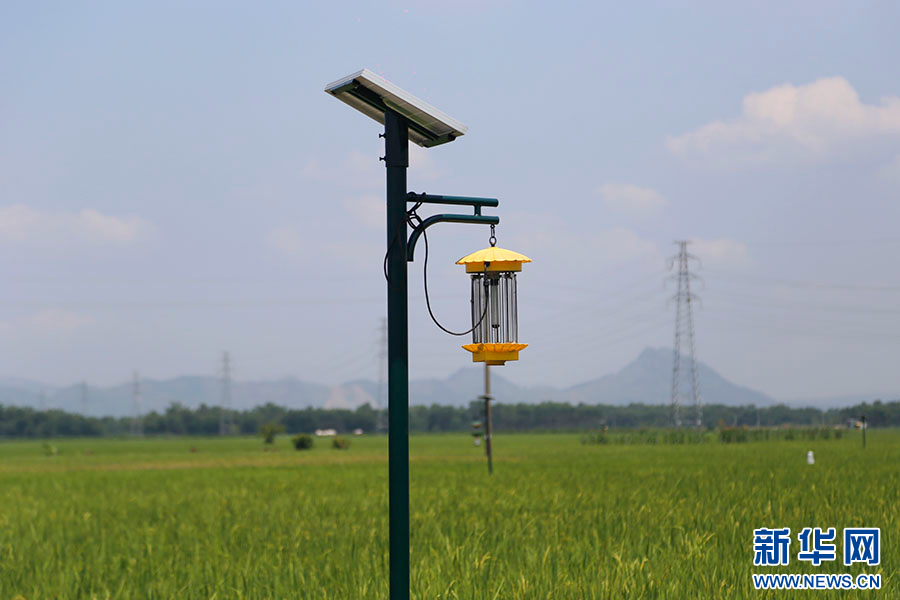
(497, 259)
(494, 354)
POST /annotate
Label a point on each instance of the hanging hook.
(493, 238)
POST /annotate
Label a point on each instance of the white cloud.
(56, 320)
(818, 121)
(52, 322)
(723, 253)
(619, 245)
(548, 238)
(891, 171)
(286, 239)
(357, 254)
(631, 200)
(368, 210)
(364, 172)
(356, 170)
(304, 247)
(21, 223)
(422, 165)
(109, 228)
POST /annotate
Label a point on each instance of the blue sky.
(175, 183)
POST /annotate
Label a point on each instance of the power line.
(579, 358)
(342, 365)
(789, 326)
(788, 305)
(559, 311)
(178, 304)
(836, 242)
(590, 337)
(817, 285)
(585, 339)
(594, 295)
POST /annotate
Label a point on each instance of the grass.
(559, 519)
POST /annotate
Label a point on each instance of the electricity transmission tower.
(684, 325)
(381, 417)
(136, 427)
(226, 415)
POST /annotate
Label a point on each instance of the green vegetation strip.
(20, 422)
(725, 435)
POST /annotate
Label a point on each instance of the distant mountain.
(26, 385)
(841, 401)
(647, 380)
(21, 397)
(190, 390)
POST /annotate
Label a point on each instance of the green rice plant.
(144, 518)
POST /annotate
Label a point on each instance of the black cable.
(413, 220)
(409, 215)
(413, 216)
(428, 301)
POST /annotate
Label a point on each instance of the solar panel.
(372, 95)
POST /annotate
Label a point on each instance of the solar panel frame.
(372, 95)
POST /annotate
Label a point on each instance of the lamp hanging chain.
(493, 238)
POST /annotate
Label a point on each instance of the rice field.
(221, 518)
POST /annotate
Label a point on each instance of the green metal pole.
(488, 436)
(864, 430)
(396, 160)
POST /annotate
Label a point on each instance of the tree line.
(177, 419)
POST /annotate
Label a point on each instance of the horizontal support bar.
(456, 200)
(474, 219)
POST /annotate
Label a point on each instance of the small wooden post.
(487, 417)
(864, 430)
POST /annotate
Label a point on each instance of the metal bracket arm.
(474, 202)
(414, 237)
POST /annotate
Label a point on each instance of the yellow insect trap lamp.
(495, 328)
